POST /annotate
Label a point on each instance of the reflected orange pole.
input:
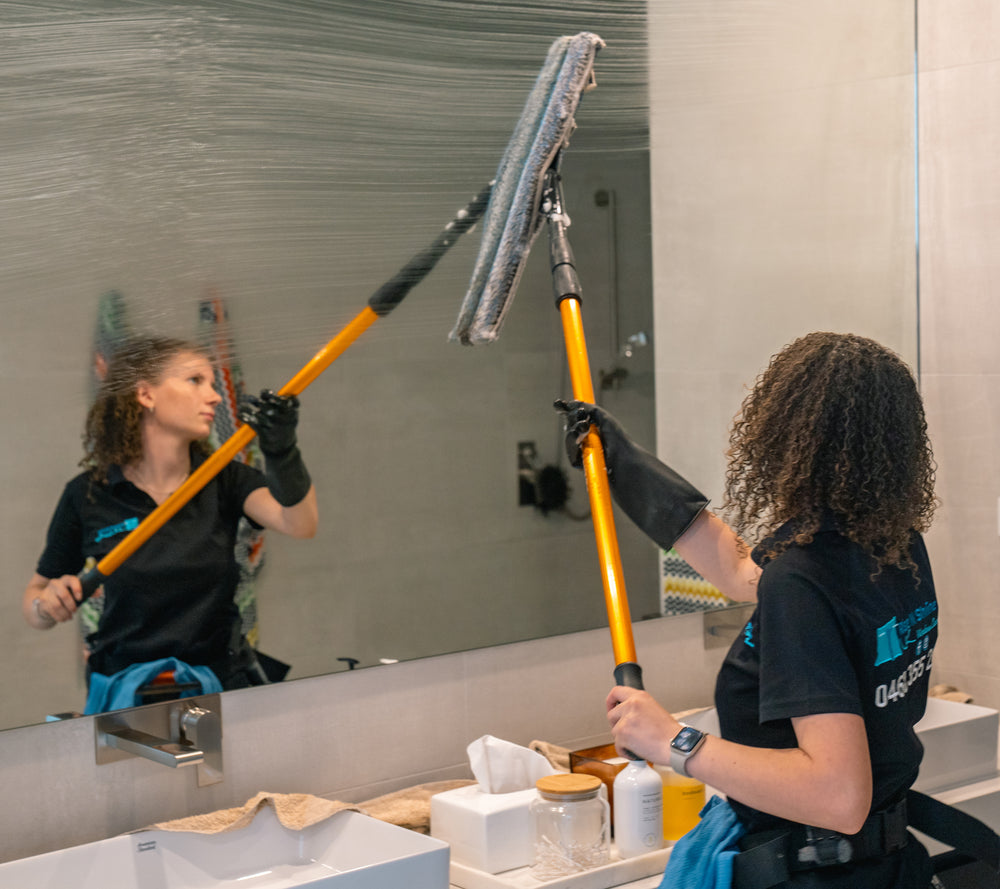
(383, 301)
(214, 464)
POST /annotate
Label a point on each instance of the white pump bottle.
(638, 805)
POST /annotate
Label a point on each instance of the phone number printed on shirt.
(896, 689)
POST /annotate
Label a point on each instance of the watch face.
(686, 739)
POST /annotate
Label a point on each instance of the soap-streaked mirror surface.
(289, 157)
(286, 159)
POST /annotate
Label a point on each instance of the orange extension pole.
(567, 289)
(383, 301)
(598, 489)
(232, 446)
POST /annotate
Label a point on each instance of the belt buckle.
(894, 823)
(823, 849)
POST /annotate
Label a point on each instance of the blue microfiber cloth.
(121, 689)
(513, 217)
(703, 857)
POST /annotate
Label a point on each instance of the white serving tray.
(615, 873)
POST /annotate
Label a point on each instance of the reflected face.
(184, 399)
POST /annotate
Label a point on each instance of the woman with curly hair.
(173, 598)
(831, 472)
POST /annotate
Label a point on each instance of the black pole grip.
(91, 580)
(629, 675)
(565, 280)
(393, 291)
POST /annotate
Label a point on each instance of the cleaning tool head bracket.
(565, 280)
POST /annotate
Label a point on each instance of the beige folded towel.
(410, 808)
(950, 693)
(294, 810)
(558, 757)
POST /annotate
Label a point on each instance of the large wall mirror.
(287, 158)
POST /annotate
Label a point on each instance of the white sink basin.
(346, 851)
(960, 744)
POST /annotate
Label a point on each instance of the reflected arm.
(57, 600)
(288, 503)
(300, 520)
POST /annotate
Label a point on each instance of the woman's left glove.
(274, 418)
(661, 502)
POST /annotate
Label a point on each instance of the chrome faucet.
(150, 747)
(173, 733)
(201, 728)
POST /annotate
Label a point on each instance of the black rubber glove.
(662, 503)
(274, 418)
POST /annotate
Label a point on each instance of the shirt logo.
(748, 634)
(111, 530)
(896, 636)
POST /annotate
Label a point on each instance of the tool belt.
(772, 857)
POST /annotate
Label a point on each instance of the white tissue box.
(491, 832)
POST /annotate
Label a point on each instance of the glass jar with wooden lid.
(571, 825)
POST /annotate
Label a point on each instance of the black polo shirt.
(173, 597)
(827, 638)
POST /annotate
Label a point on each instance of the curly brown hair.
(112, 432)
(834, 425)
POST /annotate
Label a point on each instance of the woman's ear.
(144, 395)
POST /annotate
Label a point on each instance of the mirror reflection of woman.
(830, 468)
(173, 598)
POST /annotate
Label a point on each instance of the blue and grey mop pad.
(514, 215)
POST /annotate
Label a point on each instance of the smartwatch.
(684, 745)
(47, 619)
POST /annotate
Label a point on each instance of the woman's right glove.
(274, 418)
(662, 503)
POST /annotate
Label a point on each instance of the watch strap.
(678, 756)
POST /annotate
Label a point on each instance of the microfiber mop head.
(513, 217)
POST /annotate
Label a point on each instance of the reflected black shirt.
(173, 597)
